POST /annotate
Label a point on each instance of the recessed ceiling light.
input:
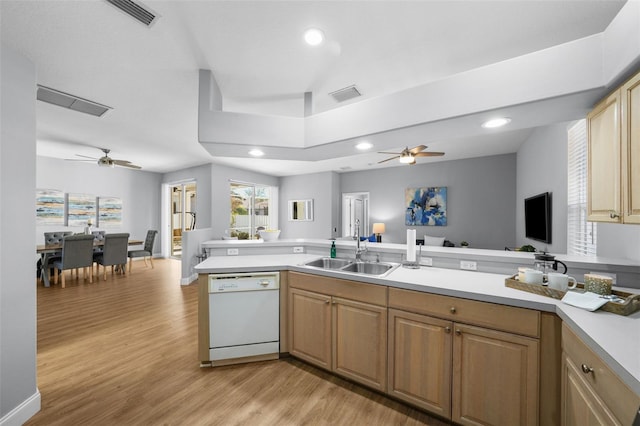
(496, 122)
(313, 36)
(256, 153)
(363, 146)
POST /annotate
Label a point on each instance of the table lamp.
(378, 229)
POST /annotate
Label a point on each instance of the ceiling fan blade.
(86, 156)
(392, 153)
(428, 154)
(389, 159)
(124, 163)
(417, 149)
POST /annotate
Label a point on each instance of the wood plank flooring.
(124, 352)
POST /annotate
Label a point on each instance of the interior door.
(183, 214)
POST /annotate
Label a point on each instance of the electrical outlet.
(606, 274)
(468, 265)
(298, 249)
(426, 261)
(232, 252)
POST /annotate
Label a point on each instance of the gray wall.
(17, 224)
(481, 199)
(542, 167)
(139, 191)
(322, 189)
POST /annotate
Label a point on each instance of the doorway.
(355, 205)
(183, 214)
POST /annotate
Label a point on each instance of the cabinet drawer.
(361, 292)
(618, 397)
(499, 317)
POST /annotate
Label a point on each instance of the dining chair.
(146, 251)
(98, 238)
(51, 239)
(114, 253)
(77, 252)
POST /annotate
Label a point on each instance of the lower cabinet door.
(495, 377)
(420, 361)
(310, 327)
(360, 342)
(580, 405)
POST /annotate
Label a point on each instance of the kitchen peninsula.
(613, 338)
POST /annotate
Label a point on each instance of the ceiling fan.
(408, 156)
(107, 161)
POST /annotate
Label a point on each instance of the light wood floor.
(124, 352)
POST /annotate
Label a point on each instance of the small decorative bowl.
(269, 235)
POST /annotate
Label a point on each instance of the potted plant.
(464, 244)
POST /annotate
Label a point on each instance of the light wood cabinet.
(470, 374)
(592, 394)
(495, 377)
(613, 178)
(420, 361)
(340, 334)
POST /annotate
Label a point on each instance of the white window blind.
(581, 235)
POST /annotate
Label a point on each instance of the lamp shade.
(378, 228)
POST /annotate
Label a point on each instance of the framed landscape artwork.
(81, 208)
(426, 206)
(109, 211)
(49, 207)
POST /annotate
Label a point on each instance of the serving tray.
(630, 304)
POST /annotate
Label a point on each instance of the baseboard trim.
(189, 279)
(22, 412)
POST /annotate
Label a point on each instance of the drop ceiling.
(255, 50)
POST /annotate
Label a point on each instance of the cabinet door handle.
(447, 330)
(452, 309)
(613, 215)
(586, 369)
(458, 332)
(326, 302)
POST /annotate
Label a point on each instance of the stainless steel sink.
(329, 263)
(369, 268)
(351, 266)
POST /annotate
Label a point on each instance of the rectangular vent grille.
(134, 10)
(65, 100)
(345, 94)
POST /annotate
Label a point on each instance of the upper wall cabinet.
(613, 193)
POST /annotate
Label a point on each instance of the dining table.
(44, 249)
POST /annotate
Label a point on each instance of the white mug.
(560, 282)
(533, 276)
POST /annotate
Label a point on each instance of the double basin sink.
(377, 269)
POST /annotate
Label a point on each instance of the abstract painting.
(49, 207)
(109, 211)
(81, 209)
(426, 206)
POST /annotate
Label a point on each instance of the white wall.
(542, 167)
(19, 396)
(139, 191)
(480, 206)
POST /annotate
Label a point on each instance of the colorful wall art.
(109, 211)
(49, 207)
(81, 209)
(426, 206)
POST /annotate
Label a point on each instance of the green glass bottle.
(333, 249)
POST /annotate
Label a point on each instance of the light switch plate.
(298, 249)
(426, 261)
(232, 252)
(468, 265)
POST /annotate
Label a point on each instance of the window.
(581, 235)
(252, 208)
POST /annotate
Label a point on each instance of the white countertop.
(615, 338)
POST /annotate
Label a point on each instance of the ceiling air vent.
(345, 94)
(135, 10)
(65, 100)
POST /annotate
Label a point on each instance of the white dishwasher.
(244, 315)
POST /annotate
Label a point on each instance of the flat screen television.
(537, 217)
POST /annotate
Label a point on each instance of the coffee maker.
(547, 263)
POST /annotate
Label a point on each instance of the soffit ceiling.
(149, 76)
